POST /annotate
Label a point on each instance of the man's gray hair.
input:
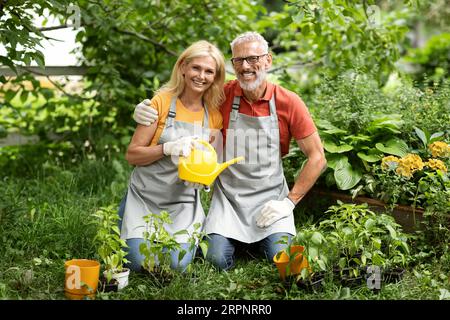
(250, 36)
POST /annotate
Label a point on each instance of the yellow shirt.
(161, 102)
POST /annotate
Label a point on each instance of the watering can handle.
(207, 145)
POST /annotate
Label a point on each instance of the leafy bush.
(365, 238)
(433, 60)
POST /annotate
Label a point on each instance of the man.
(251, 203)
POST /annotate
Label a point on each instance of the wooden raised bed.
(408, 217)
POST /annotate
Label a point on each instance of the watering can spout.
(201, 165)
(225, 165)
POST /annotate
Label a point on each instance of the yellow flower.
(439, 149)
(388, 162)
(436, 164)
(409, 164)
(404, 171)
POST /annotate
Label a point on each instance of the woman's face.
(199, 74)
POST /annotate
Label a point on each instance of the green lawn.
(46, 219)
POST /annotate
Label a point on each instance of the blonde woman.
(188, 106)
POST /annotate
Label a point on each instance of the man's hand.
(180, 147)
(273, 211)
(145, 114)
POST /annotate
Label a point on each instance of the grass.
(46, 219)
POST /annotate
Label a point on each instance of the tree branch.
(304, 64)
(145, 38)
(63, 26)
(56, 84)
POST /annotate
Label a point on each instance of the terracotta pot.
(295, 266)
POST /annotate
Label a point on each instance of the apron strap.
(172, 112)
(273, 109)
(235, 108)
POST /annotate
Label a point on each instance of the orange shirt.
(161, 102)
(294, 119)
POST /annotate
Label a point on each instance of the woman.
(188, 105)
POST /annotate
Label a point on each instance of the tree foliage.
(321, 36)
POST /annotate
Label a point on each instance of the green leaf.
(396, 147)
(4, 60)
(322, 265)
(39, 58)
(346, 176)
(24, 96)
(423, 136)
(181, 232)
(285, 22)
(331, 147)
(334, 158)
(392, 232)
(9, 95)
(298, 18)
(436, 136)
(204, 247)
(317, 238)
(369, 157)
(369, 223)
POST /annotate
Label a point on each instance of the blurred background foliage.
(344, 58)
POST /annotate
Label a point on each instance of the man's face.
(251, 74)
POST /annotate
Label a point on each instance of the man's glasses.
(250, 60)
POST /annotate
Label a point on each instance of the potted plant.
(320, 252)
(111, 248)
(365, 240)
(159, 243)
(290, 261)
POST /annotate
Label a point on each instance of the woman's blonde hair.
(213, 96)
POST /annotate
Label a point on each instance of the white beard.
(260, 77)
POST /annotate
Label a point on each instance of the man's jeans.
(221, 249)
(136, 258)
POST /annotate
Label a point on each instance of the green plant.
(435, 191)
(405, 180)
(110, 245)
(348, 154)
(433, 60)
(320, 250)
(364, 238)
(159, 242)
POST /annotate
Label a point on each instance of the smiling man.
(252, 203)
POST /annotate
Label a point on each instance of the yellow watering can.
(201, 165)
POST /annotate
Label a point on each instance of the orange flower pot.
(81, 278)
(286, 267)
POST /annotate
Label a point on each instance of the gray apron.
(241, 190)
(156, 187)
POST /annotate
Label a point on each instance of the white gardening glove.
(273, 211)
(180, 147)
(194, 185)
(145, 114)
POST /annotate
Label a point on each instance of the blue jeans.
(221, 249)
(136, 258)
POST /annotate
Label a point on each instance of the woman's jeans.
(221, 249)
(136, 258)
